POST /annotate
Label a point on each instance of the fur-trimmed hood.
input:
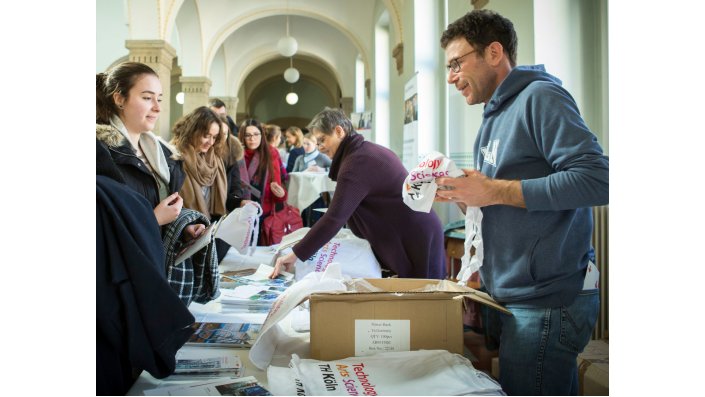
(109, 135)
(237, 149)
(112, 137)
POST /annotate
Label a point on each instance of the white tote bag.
(354, 255)
(407, 373)
(240, 228)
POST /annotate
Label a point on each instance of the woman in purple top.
(368, 198)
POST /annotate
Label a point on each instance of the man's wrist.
(508, 193)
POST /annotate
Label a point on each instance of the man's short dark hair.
(216, 103)
(482, 27)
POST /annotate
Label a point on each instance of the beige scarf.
(150, 148)
(204, 170)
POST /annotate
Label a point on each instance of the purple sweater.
(368, 196)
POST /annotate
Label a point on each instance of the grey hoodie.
(532, 131)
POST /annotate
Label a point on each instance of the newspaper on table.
(247, 386)
(215, 361)
(409, 373)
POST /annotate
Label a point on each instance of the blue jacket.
(532, 131)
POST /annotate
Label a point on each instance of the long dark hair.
(265, 158)
(120, 79)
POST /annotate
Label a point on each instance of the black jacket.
(140, 321)
(133, 171)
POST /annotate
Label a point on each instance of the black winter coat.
(133, 171)
(140, 321)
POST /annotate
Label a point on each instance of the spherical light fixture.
(291, 75)
(287, 46)
(180, 98)
(292, 98)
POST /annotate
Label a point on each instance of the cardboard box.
(347, 324)
(593, 369)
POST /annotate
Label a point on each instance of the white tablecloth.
(306, 187)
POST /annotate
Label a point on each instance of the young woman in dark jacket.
(127, 107)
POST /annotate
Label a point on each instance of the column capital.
(151, 52)
(196, 90)
(195, 84)
(398, 55)
(159, 55)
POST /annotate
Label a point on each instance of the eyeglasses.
(248, 136)
(454, 64)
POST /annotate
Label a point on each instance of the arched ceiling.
(231, 41)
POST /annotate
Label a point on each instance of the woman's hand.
(314, 168)
(168, 209)
(243, 202)
(277, 189)
(283, 263)
(193, 231)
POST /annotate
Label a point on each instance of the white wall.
(111, 33)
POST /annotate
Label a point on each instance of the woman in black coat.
(127, 107)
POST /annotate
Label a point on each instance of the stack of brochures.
(208, 362)
(247, 386)
(254, 292)
(224, 334)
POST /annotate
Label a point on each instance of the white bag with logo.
(240, 228)
(354, 254)
(408, 373)
(418, 193)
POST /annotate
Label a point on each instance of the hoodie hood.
(518, 79)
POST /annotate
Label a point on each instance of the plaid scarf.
(196, 278)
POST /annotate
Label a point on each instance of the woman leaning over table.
(128, 103)
(368, 198)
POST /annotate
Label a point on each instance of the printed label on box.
(376, 336)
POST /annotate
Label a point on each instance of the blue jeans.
(539, 346)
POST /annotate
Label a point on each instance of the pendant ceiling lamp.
(287, 45)
(292, 98)
(291, 74)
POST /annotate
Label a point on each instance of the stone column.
(196, 91)
(157, 54)
(231, 106)
(346, 103)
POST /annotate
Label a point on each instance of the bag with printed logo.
(353, 253)
(394, 373)
(240, 228)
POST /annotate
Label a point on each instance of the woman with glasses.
(261, 169)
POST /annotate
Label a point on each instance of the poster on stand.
(410, 152)
(362, 123)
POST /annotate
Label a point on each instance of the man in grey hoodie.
(538, 172)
